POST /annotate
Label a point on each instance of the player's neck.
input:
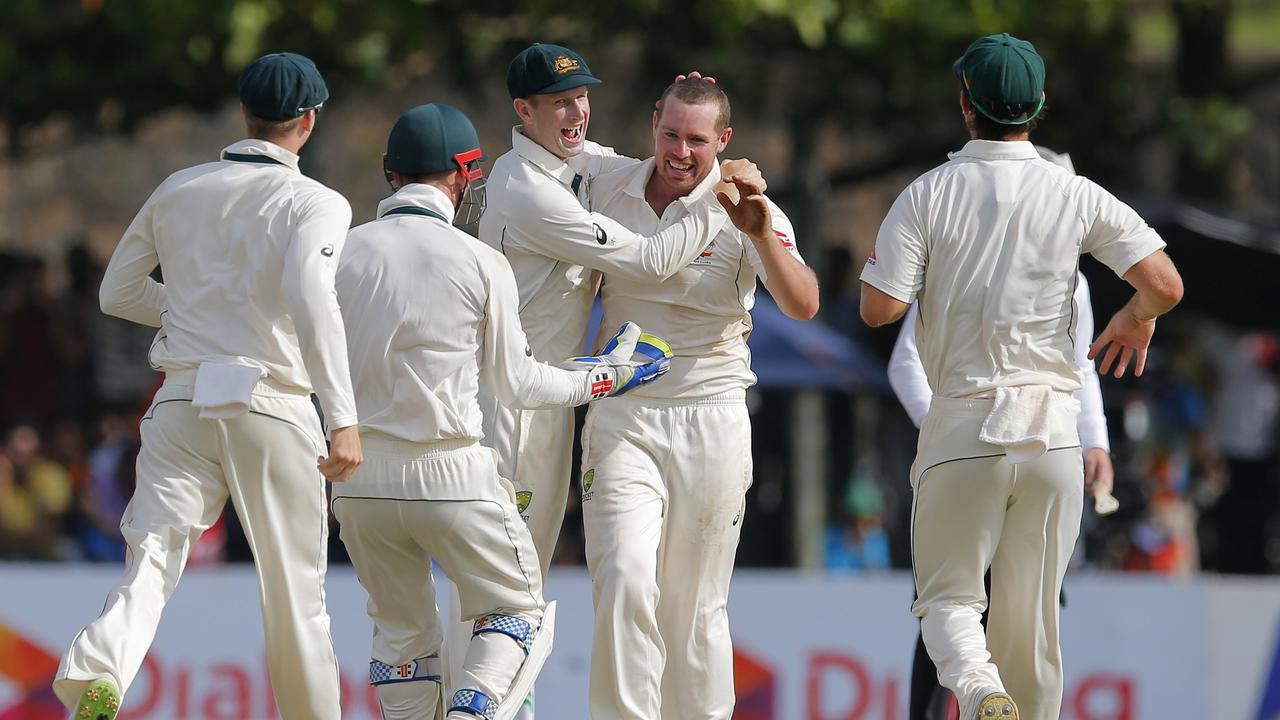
(659, 194)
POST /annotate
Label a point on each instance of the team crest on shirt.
(588, 478)
(523, 499)
(564, 64)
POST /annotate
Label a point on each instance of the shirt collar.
(537, 155)
(418, 195)
(997, 150)
(253, 146)
(635, 187)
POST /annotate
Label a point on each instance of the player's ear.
(523, 110)
(965, 106)
(724, 139)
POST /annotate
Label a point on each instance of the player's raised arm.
(570, 233)
(791, 283)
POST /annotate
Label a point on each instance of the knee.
(626, 575)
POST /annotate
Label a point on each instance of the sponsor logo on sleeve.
(327, 251)
(601, 236)
(871, 259)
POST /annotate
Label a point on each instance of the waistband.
(729, 397)
(265, 386)
(984, 404)
(380, 444)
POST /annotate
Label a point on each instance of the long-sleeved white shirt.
(536, 218)
(906, 373)
(990, 242)
(704, 310)
(429, 310)
(248, 246)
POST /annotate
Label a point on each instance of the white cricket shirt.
(910, 384)
(429, 310)
(536, 219)
(248, 246)
(988, 243)
(704, 309)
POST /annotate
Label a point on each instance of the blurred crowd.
(1195, 443)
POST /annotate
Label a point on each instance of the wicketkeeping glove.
(613, 372)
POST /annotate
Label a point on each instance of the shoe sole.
(99, 701)
(997, 706)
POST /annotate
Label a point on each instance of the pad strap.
(517, 629)
(475, 703)
(423, 668)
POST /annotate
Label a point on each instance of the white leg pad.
(539, 650)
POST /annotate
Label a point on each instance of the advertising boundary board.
(809, 646)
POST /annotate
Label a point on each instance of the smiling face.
(557, 121)
(686, 140)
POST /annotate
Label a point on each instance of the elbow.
(111, 300)
(873, 318)
(804, 309)
(1173, 291)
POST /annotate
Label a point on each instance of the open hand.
(1126, 336)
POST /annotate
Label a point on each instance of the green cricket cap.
(282, 86)
(1003, 77)
(543, 69)
(433, 138)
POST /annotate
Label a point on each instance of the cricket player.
(988, 244)
(249, 327)
(557, 249)
(667, 468)
(430, 310)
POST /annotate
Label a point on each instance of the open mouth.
(573, 135)
(680, 169)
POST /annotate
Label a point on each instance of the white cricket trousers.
(664, 488)
(535, 453)
(411, 503)
(972, 511)
(265, 462)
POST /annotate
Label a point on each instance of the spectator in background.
(35, 500)
(858, 542)
(109, 487)
(1244, 424)
(32, 335)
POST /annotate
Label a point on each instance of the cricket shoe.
(997, 706)
(99, 701)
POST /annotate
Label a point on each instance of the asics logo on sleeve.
(601, 236)
(327, 251)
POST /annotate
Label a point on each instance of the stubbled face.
(557, 121)
(685, 143)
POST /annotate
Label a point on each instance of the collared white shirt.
(429, 310)
(989, 243)
(248, 246)
(906, 373)
(703, 310)
(536, 219)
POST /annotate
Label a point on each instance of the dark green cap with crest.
(282, 86)
(1003, 78)
(544, 69)
(432, 138)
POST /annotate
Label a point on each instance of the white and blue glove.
(614, 372)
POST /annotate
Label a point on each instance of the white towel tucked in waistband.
(222, 390)
(1020, 422)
